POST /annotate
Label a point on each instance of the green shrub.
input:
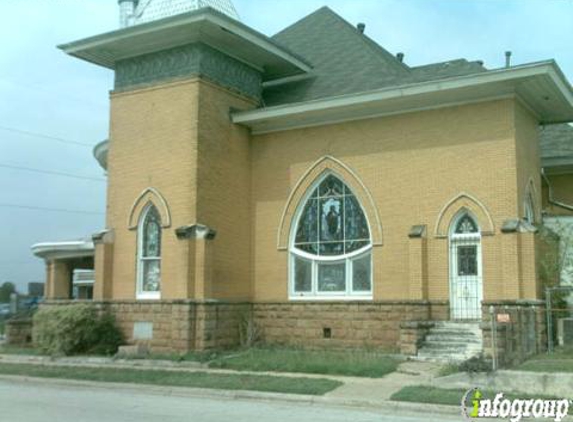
(75, 329)
(476, 364)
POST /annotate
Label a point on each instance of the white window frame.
(314, 294)
(140, 293)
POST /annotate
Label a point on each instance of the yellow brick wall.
(200, 169)
(153, 135)
(527, 158)
(178, 139)
(528, 182)
(413, 165)
(223, 191)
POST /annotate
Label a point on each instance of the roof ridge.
(369, 42)
(286, 28)
(376, 48)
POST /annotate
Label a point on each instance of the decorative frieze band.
(189, 60)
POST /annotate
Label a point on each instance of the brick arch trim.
(153, 196)
(346, 174)
(458, 203)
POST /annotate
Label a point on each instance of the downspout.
(550, 193)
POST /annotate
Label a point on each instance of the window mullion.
(348, 276)
(314, 277)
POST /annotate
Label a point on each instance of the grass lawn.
(543, 365)
(426, 394)
(178, 357)
(179, 379)
(561, 360)
(2, 325)
(448, 369)
(350, 363)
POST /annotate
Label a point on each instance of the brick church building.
(309, 182)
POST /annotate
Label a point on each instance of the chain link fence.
(559, 316)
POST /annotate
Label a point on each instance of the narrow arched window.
(330, 246)
(149, 254)
(529, 210)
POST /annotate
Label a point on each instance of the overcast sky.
(45, 92)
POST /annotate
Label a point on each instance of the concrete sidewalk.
(355, 391)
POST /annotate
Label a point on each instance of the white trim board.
(556, 103)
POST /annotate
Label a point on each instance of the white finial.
(126, 12)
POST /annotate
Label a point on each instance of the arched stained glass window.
(466, 225)
(330, 252)
(149, 254)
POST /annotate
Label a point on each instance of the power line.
(30, 207)
(55, 173)
(42, 135)
(41, 87)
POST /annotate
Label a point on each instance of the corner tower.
(174, 150)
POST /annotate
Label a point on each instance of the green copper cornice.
(189, 60)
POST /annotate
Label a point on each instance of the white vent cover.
(150, 10)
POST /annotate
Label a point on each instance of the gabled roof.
(343, 60)
(556, 142)
(346, 61)
(352, 77)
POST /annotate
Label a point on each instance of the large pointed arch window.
(330, 248)
(149, 254)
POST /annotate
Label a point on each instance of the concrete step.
(457, 331)
(465, 324)
(456, 359)
(438, 338)
(452, 342)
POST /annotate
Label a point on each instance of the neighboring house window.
(149, 254)
(330, 246)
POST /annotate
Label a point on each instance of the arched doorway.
(466, 284)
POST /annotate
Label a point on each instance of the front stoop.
(450, 341)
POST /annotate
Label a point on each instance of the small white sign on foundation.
(143, 330)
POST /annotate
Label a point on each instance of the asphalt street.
(26, 401)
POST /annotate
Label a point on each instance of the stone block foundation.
(19, 331)
(337, 324)
(175, 326)
(180, 326)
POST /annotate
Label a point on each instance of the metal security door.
(465, 279)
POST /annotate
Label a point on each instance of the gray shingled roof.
(346, 61)
(556, 142)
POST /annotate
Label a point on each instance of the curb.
(386, 406)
